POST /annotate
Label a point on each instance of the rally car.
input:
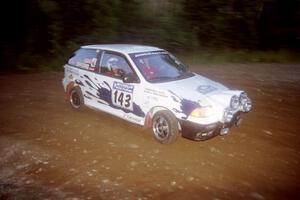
(149, 86)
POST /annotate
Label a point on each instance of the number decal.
(122, 95)
(115, 96)
(127, 100)
(122, 99)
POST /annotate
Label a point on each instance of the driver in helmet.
(113, 67)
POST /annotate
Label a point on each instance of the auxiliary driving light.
(245, 102)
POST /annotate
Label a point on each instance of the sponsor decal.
(123, 87)
(204, 89)
(150, 53)
(71, 77)
(155, 92)
(72, 71)
(131, 118)
(82, 65)
(91, 61)
(92, 69)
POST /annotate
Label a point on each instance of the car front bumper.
(199, 132)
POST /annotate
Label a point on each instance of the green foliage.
(103, 21)
(224, 23)
(54, 28)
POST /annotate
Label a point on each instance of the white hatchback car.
(150, 87)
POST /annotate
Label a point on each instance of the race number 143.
(122, 99)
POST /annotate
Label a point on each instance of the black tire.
(165, 127)
(76, 98)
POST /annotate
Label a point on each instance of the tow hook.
(238, 121)
(224, 131)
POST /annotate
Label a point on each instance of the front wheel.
(165, 127)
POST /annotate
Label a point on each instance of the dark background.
(44, 32)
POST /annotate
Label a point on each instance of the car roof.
(123, 48)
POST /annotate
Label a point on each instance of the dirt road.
(49, 151)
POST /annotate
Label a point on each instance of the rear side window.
(85, 59)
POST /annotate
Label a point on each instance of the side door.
(119, 89)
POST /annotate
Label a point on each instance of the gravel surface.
(49, 151)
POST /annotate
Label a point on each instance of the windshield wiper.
(184, 75)
(160, 78)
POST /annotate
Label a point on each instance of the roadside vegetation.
(199, 57)
(240, 56)
(41, 34)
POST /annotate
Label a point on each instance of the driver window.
(114, 65)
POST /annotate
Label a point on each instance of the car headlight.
(234, 102)
(203, 112)
(245, 102)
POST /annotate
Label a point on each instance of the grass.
(240, 56)
(32, 63)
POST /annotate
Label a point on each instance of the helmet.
(112, 62)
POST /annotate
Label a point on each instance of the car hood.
(200, 90)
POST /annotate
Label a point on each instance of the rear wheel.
(76, 98)
(165, 127)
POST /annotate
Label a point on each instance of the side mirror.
(130, 78)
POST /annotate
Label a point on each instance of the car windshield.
(160, 66)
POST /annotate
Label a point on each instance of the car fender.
(151, 114)
(69, 88)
